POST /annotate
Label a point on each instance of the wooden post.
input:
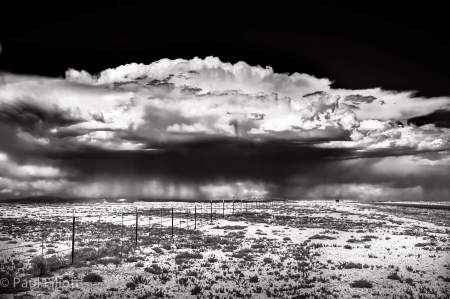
(211, 211)
(160, 226)
(136, 234)
(42, 243)
(233, 207)
(98, 234)
(172, 222)
(223, 208)
(121, 238)
(195, 216)
(73, 240)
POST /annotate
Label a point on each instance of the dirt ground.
(286, 250)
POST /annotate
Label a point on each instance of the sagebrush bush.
(196, 290)
(39, 266)
(362, 283)
(394, 276)
(56, 262)
(254, 279)
(92, 277)
(154, 269)
(139, 279)
(50, 251)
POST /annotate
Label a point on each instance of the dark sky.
(399, 47)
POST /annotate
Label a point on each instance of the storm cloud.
(202, 128)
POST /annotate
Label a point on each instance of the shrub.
(139, 265)
(424, 244)
(92, 277)
(409, 281)
(185, 256)
(183, 281)
(189, 255)
(351, 265)
(192, 273)
(39, 266)
(139, 279)
(196, 290)
(230, 227)
(394, 276)
(55, 263)
(130, 285)
(85, 254)
(258, 246)
(244, 253)
(157, 250)
(254, 279)
(347, 246)
(132, 259)
(212, 259)
(51, 251)
(154, 269)
(354, 241)
(362, 283)
(321, 237)
(446, 279)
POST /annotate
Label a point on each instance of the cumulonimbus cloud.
(178, 100)
(140, 108)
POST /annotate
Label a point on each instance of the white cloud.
(423, 138)
(11, 168)
(19, 187)
(135, 105)
(413, 165)
(182, 99)
(389, 105)
(210, 74)
(365, 192)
